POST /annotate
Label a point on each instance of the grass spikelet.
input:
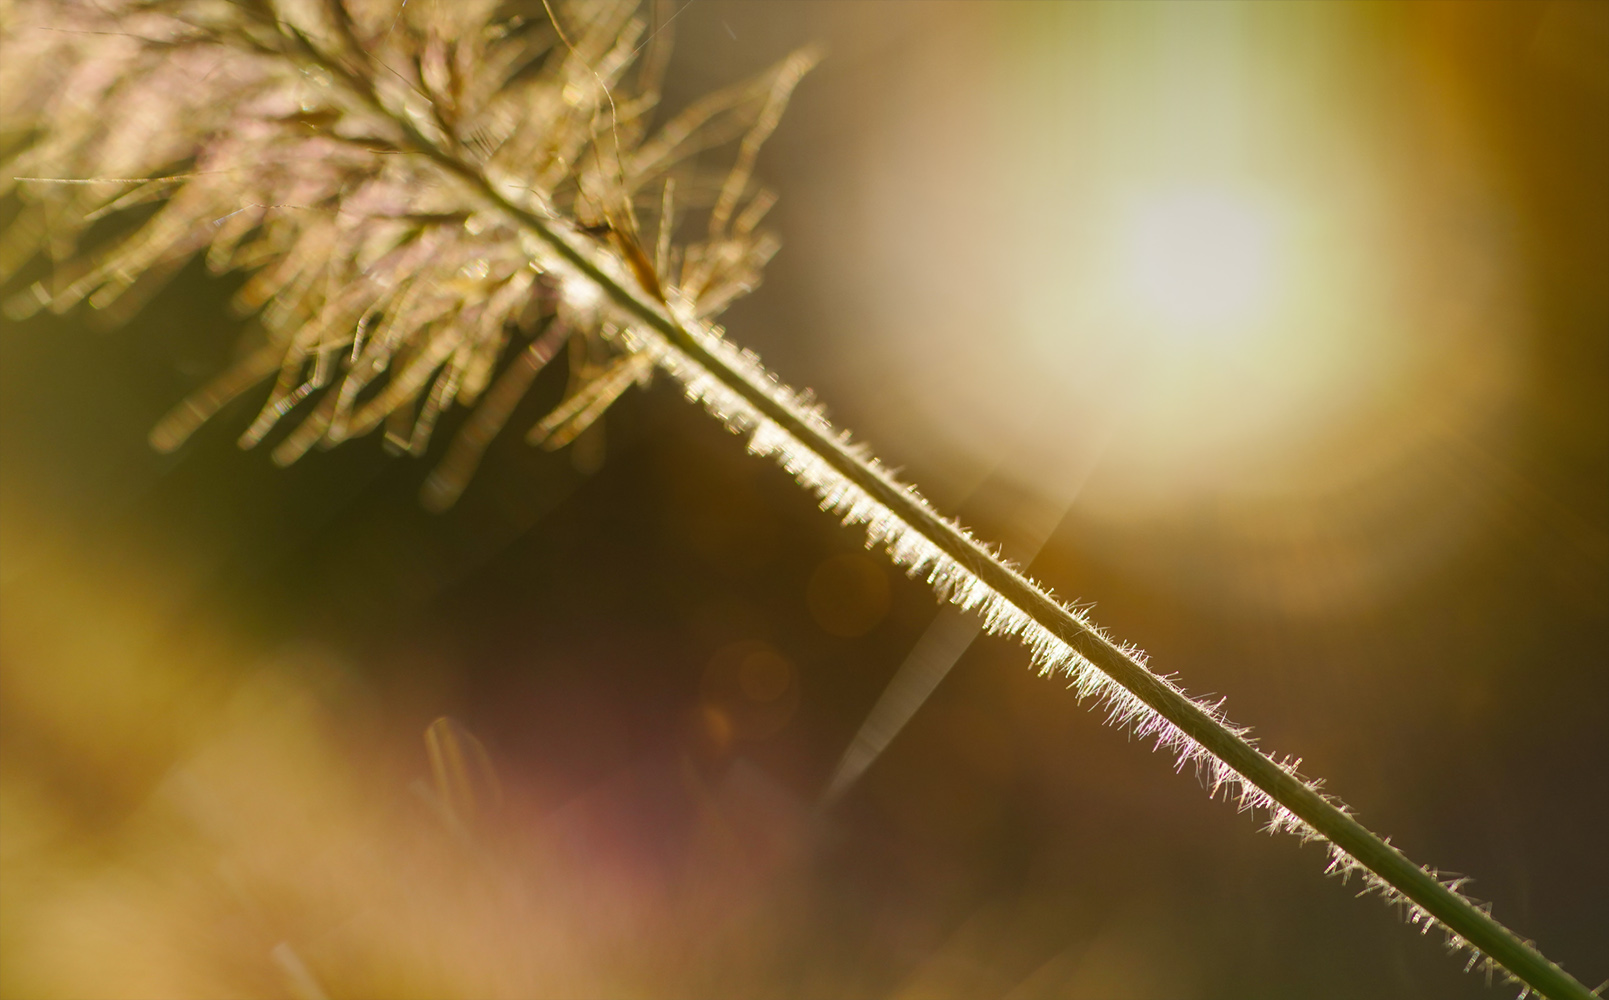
(433, 200)
(288, 145)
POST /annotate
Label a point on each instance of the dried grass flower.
(283, 140)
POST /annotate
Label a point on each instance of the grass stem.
(1462, 918)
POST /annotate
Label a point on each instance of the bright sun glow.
(1196, 260)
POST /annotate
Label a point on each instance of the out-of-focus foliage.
(259, 829)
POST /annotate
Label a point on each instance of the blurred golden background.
(1291, 320)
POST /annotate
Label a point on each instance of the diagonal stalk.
(1315, 815)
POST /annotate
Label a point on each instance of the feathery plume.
(278, 139)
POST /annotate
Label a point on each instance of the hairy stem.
(1370, 850)
(1324, 817)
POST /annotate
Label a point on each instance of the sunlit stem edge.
(1482, 932)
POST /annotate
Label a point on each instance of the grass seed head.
(282, 139)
